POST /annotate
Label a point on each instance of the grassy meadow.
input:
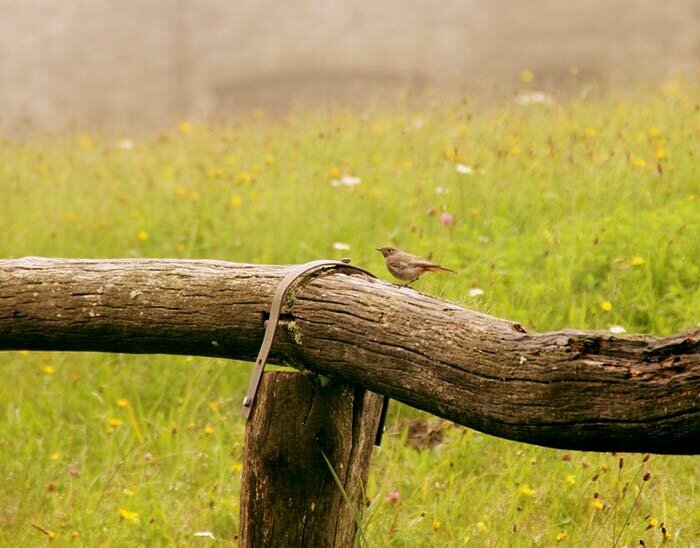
(557, 212)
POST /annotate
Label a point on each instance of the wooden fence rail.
(566, 389)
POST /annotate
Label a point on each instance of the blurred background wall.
(148, 63)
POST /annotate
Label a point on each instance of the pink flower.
(393, 497)
(446, 219)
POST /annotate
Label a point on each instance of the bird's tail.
(438, 268)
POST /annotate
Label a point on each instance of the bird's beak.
(378, 249)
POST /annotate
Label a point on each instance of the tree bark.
(568, 389)
(289, 496)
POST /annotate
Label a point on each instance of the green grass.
(570, 205)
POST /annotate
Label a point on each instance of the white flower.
(346, 180)
(441, 190)
(475, 292)
(461, 168)
(207, 534)
(532, 98)
(617, 329)
(126, 144)
(340, 246)
(483, 239)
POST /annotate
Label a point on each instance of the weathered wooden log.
(289, 496)
(568, 389)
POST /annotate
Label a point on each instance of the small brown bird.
(406, 267)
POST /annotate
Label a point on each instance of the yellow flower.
(24, 352)
(526, 490)
(127, 515)
(639, 162)
(597, 505)
(114, 422)
(122, 402)
(208, 430)
(591, 132)
(128, 492)
(474, 212)
(47, 369)
(236, 200)
(570, 479)
(142, 235)
(270, 160)
(661, 154)
(654, 132)
(481, 526)
(606, 306)
(653, 522)
(231, 160)
(184, 127)
(74, 533)
(561, 535)
(236, 467)
(190, 425)
(55, 456)
(334, 172)
(214, 406)
(51, 535)
(527, 76)
(451, 153)
(243, 177)
(436, 525)
(637, 261)
(514, 150)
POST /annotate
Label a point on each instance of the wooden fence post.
(289, 496)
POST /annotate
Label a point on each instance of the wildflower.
(270, 160)
(208, 430)
(334, 172)
(561, 535)
(184, 127)
(637, 261)
(74, 533)
(526, 490)
(393, 497)
(236, 200)
(441, 190)
(535, 97)
(436, 525)
(128, 515)
(597, 505)
(617, 329)
(481, 526)
(114, 422)
(142, 235)
(243, 177)
(466, 170)
(606, 306)
(446, 219)
(474, 212)
(122, 402)
(214, 406)
(55, 456)
(190, 425)
(126, 144)
(340, 246)
(236, 467)
(661, 154)
(128, 492)
(514, 150)
(638, 162)
(349, 180)
(475, 292)
(591, 132)
(653, 522)
(47, 369)
(570, 479)
(526, 76)
(654, 132)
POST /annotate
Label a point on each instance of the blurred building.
(146, 63)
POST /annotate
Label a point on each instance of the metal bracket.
(275, 309)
